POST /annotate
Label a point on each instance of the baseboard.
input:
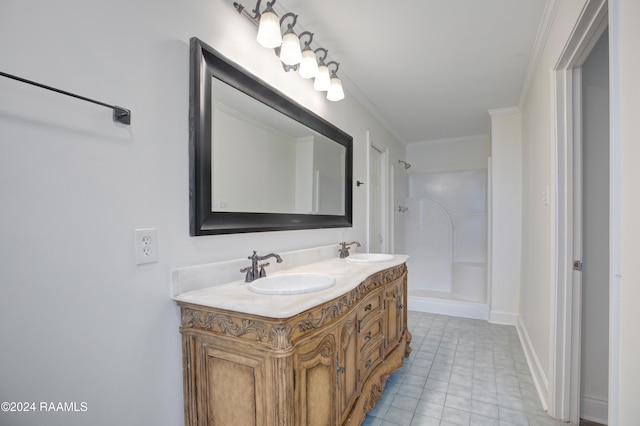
(594, 409)
(506, 318)
(448, 307)
(537, 373)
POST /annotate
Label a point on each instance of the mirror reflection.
(266, 162)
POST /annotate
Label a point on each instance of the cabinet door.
(315, 364)
(347, 372)
(233, 388)
(394, 314)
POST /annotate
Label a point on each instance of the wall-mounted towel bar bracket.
(121, 115)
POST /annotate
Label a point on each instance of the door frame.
(564, 389)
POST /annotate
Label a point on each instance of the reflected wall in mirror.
(258, 160)
(302, 169)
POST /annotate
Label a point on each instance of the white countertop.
(236, 296)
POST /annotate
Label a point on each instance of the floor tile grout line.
(452, 334)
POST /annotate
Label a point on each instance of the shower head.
(406, 165)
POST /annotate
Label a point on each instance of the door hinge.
(577, 265)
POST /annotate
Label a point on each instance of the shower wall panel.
(446, 233)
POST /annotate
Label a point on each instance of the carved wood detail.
(236, 327)
(340, 305)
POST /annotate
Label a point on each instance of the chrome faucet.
(252, 272)
(344, 250)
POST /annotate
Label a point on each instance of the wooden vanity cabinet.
(325, 366)
(395, 302)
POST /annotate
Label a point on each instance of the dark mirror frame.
(205, 63)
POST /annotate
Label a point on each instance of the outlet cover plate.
(146, 245)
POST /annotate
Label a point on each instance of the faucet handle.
(262, 272)
(247, 277)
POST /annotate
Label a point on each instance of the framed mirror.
(258, 160)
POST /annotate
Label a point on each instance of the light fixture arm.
(326, 52)
(255, 18)
(268, 8)
(334, 72)
(256, 10)
(291, 25)
(306, 43)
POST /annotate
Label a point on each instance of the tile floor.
(462, 372)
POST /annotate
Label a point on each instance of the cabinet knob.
(340, 369)
(401, 306)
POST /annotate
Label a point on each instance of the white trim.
(367, 190)
(594, 409)
(456, 308)
(504, 111)
(478, 138)
(489, 228)
(385, 203)
(505, 318)
(575, 213)
(614, 213)
(544, 28)
(535, 367)
(391, 233)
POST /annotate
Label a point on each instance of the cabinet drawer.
(370, 333)
(371, 360)
(370, 306)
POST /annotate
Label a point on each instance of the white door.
(377, 201)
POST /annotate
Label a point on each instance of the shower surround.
(446, 240)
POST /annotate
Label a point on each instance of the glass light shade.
(308, 65)
(322, 81)
(269, 35)
(290, 53)
(335, 92)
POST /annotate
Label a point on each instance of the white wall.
(624, 34)
(79, 321)
(265, 171)
(506, 212)
(464, 153)
(538, 248)
(538, 221)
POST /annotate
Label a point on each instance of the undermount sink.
(295, 283)
(369, 257)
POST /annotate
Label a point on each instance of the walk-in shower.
(446, 239)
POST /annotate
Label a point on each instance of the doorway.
(594, 235)
(377, 235)
(581, 340)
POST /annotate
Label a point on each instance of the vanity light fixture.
(335, 92)
(287, 47)
(309, 63)
(322, 81)
(269, 35)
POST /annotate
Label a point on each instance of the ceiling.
(431, 69)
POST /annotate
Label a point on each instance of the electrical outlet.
(146, 245)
